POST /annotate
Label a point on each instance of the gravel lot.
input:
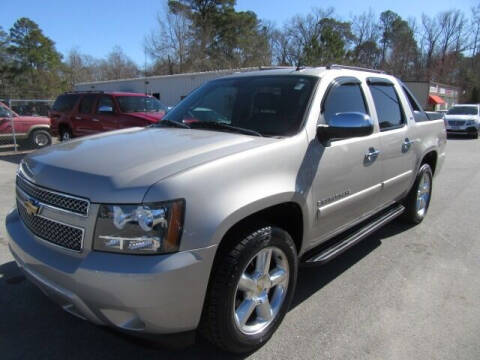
(404, 293)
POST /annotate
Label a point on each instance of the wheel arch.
(430, 158)
(38, 127)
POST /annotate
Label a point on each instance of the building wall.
(170, 88)
(449, 94)
(422, 90)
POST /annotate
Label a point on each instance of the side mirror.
(168, 109)
(345, 125)
(105, 110)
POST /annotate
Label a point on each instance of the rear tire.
(245, 304)
(39, 138)
(418, 199)
(65, 134)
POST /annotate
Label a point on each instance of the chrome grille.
(52, 198)
(456, 122)
(54, 232)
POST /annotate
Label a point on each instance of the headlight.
(140, 229)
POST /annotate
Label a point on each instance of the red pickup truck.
(84, 113)
(32, 131)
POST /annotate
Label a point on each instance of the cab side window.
(389, 110)
(105, 102)
(344, 98)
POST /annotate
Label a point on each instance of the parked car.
(32, 131)
(463, 119)
(85, 113)
(202, 225)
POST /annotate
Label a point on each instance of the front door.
(348, 171)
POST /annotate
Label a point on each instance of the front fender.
(221, 193)
(36, 127)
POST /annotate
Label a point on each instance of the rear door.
(106, 114)
(83, 120)
(347, 180)
(397, 139)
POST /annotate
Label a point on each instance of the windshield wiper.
(223, 126)
(167, 122)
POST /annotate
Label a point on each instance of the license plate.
(454, 127)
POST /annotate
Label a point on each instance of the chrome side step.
(344, 244)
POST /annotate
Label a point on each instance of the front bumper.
(158, 294)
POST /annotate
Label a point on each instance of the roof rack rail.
(274, 67)
(84, 91)
(336, 66)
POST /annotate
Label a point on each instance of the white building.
(170, 89)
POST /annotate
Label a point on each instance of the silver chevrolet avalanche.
(199, 223)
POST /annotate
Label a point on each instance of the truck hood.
(120, 166)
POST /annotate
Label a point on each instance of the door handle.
(78, 118)
(94, 119)
(372, 154)
(407, 143)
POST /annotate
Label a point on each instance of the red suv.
(31, 131)
(84, 113)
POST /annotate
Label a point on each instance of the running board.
(328, 253)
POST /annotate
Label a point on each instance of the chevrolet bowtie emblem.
(31, 208)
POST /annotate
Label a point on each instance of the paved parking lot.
(404, 293)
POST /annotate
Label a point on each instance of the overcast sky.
(95, 26)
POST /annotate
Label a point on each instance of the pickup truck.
(200, 226)
(31, 131)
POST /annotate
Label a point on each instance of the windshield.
(269, 105)
(463, 110)
(131, 104)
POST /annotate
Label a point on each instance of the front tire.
(250, 290)
(418, 199)
(39, 139)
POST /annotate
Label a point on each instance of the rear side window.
(344, 98)
(86, 104)
(418, 113)
(65, 102)
(387, 103)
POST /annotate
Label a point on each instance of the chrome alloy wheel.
(261, 290)
(40, 139)
(423, 194)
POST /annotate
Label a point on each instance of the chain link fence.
(24, 124)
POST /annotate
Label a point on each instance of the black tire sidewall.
(233, 339)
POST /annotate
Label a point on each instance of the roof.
(113, 93)
(147, 78)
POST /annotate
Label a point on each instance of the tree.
(200, 35)
(34, 64)
(117, 65)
